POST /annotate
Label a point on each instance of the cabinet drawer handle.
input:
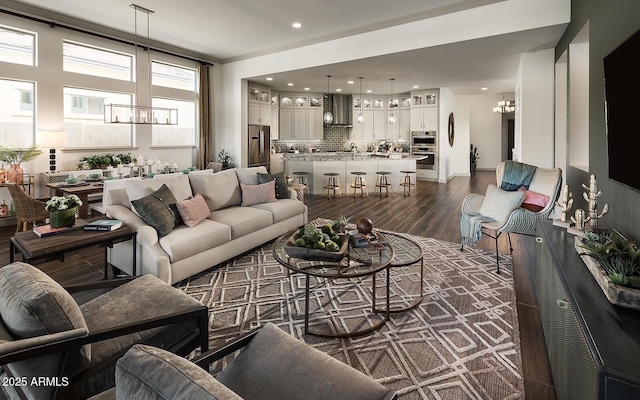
(563, 304)
(539, 239)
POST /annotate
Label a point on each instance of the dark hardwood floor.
(434, 212)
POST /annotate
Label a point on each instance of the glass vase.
(59, 219)
(15, 173)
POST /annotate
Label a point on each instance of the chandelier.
(392, 118)
(146, 115)
(328, 117)
(505, 106)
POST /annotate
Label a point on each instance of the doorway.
(510, 137)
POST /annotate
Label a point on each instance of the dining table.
(81, 189)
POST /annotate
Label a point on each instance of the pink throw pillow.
(193, 211)
(256, 194)
(533, 201)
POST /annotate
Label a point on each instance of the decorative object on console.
(614, 263)
(592, 199)
(103, 161)
(14, 157)
(565, 205)
(578, 221)
(62, 210)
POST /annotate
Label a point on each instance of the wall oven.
(424, 149)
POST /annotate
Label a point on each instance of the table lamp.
(52, 140)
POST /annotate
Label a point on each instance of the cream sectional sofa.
(231, 229)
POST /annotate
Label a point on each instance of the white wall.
(486, 128)
(494, 19)
(535, 88)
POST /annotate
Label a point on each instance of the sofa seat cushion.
(220, 190)
(184, 242)
(243, 220)
(282, 209)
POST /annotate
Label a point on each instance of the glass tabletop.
(359, 261)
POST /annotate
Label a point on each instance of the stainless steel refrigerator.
(259, 146)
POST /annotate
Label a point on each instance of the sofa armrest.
(146, 234)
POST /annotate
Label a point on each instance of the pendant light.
(145, 115)
(505, 106)
(328, 117)
(392, 118)
(360, 118)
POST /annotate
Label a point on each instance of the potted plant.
(62, 210)
(226, 159)
(14, 157)
(618, 257)
(101, 161)
(473, 158)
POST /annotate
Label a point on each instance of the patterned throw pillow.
(282, 192)
(158, 210)
(257, 194)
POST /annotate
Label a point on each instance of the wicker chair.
(546, 181)
(28, 209)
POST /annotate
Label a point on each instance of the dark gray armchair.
(271, 365)
(72, 349)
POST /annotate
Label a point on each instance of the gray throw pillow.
(282, 191)
(146, 373)
(159, 210)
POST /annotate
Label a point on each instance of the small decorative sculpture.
(578, 219)
(592, 199)
(566, 204)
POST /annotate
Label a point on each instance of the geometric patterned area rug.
(461, 342)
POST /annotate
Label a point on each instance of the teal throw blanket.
(517, 174)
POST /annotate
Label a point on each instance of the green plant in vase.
(473, 158)
(62, 210)
(225, 158)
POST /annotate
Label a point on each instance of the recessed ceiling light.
(307, 88)
(338, 90)
(350, 82)
(290, 84)
(296, 25)
(416, 86)
(269, 78)
(369, 91)
(484, 88)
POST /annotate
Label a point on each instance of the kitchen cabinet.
(276, 163)
(300, 116)
(259, 105)
(424, 111)
(275, 115)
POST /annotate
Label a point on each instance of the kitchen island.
(318, 164)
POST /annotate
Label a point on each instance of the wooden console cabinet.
(593, 346)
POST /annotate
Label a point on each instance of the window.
(184, 133)
(88, 60)
(17, 47)
(17, 122)
(173, 76)
(26, 99)
(84, 119)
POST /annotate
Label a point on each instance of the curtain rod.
(53, 24)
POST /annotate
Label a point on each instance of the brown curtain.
(205, 136)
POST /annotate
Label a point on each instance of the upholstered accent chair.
(271, 365)
(45, 334)
(520, 220)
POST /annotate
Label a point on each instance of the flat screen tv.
(622, 108)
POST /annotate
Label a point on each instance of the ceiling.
(224, 31)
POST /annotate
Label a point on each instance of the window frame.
(34, 36)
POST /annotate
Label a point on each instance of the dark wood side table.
(33, 247)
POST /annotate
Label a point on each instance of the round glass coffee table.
(357, 262)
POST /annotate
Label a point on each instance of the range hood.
(341, 110)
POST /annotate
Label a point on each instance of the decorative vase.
(15, 173)
(472, 167)
(59, 219)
